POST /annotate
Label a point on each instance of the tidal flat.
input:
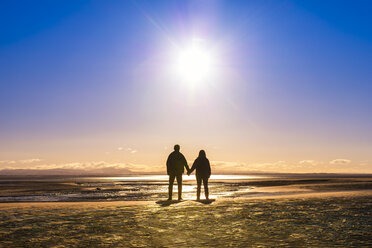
(279, 213)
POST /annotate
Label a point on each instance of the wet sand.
(117, 189)
(85, 204)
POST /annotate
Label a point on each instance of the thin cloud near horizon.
(102, 167)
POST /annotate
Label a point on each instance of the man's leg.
(170, 188)
(198, 182)
(206, 192)
(179, 183)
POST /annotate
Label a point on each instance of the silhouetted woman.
(203, 172)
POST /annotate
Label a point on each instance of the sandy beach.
(290, 215)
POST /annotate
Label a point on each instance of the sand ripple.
(292, 222)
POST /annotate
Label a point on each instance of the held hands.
(188, 172)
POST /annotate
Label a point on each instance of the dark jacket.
(176, 163)
(202, 166)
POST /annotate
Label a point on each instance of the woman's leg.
(198, 181)
(206, 192)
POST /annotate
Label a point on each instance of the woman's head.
(202, 154)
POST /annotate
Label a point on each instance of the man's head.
(177, 148)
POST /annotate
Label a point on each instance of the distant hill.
(66, 172)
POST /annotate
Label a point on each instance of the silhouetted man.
(175, 168)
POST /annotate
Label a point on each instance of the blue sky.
(292, 83)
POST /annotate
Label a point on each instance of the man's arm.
(185, 164)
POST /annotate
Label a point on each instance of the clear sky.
(95, 85)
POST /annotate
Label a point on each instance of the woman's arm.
(193, 166)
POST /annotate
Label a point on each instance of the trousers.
(179, 183)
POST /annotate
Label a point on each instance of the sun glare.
(194, 63)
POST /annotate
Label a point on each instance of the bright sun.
(194, 63)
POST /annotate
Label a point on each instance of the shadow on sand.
(165, 203)
(209, 201)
